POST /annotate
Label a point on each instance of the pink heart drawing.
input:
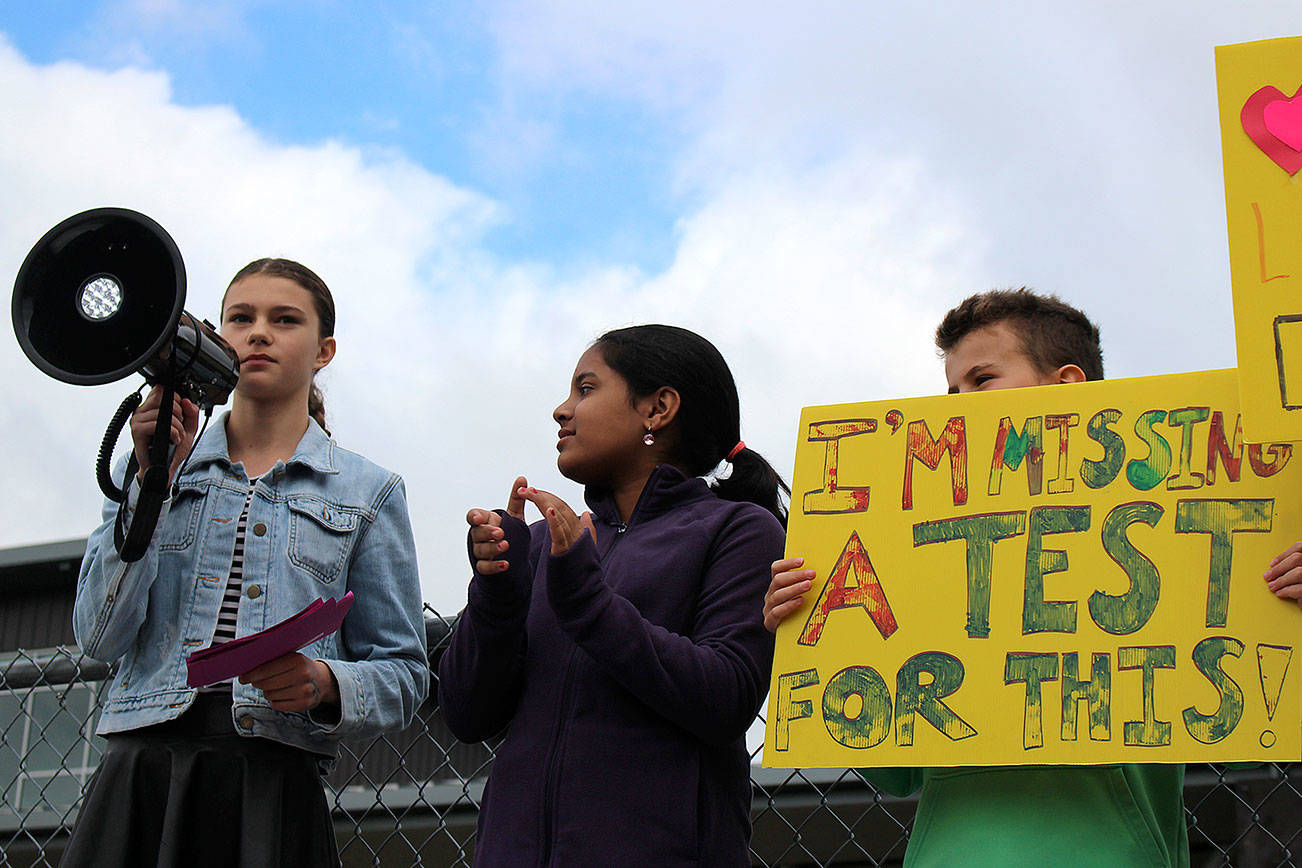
(1274, 123)
(1283, 119)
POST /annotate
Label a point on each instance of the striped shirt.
(229, 613)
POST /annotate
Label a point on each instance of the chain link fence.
(411, 798)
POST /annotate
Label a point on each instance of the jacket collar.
(315, 451)
(666, 488)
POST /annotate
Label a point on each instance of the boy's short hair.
(1053, 333)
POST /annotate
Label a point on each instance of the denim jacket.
(326, 522)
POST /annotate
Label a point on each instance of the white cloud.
(818, 283)
(1083, 140)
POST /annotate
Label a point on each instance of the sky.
(488, 186)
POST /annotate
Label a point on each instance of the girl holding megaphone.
(266, 515)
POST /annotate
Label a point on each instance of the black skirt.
(190, 792)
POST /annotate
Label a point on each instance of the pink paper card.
(232, 659)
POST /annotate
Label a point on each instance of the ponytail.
(316, 406)
(753, 480)
(650, 357)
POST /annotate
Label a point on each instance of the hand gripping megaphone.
(101, 297)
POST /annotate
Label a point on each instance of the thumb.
(585, 522)
(515, 503)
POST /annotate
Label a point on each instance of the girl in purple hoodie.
(621, 652)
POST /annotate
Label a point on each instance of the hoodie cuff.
(504, 593)
(574, 579)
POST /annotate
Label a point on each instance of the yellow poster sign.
(1062, 574)
(1260, 87)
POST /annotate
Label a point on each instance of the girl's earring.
(650, 438)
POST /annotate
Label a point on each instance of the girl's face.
(601, 426)
(273, 326)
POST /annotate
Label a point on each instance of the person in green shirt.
(1100, 815)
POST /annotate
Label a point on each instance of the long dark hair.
(650, 357)
(322, 300)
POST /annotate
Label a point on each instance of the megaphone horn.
(101, 297)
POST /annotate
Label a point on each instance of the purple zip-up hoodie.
(625, 674)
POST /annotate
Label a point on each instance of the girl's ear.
(661, 407)
(324, 353)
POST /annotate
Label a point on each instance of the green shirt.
(1079, 816)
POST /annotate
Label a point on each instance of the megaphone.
(101, 297)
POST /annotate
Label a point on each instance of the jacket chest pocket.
(182, 523)
(320, 537)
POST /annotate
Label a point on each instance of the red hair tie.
(741, 444)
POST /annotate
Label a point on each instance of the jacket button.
(246, 722)
(254, 592)
(259, 529)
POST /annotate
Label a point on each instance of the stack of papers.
(232, 659)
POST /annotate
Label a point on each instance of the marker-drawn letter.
(1126, 613)
(1097, 474)
(1011, 447)
(853, 584)
(1146, 473)
(1280, 453)
(1222, 519)
(1031, 669)
(1261, 245)
(872, 724)
(1150, 731)
(1038, 614)
(1207, 656)
(922, 446)
(1185, 419)
(1097, 692)
(792, 709)
(834, 498)
(981, 533)
(1229, 452)
(1062, 483)
(915, 696)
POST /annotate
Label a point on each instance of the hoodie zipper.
(552, 773)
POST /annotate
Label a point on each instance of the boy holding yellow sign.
(1081, 815)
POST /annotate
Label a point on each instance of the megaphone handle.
(103, 472)
(133, 544)
(159, 444)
